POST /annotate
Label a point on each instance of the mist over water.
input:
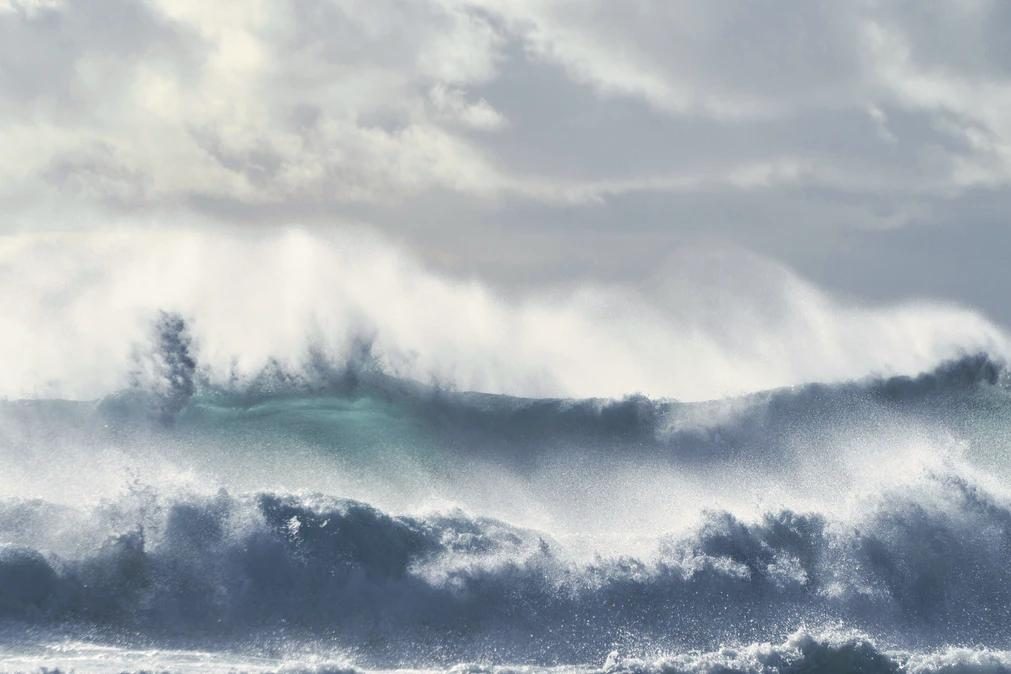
(343, 461)
(710, 323)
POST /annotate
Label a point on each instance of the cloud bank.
(334, 102)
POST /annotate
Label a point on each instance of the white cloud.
(258, 104)
(453, 105)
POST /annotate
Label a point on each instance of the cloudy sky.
(864, 145)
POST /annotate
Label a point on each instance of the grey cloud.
(43, 53)
(968, 38)
(531, 142)
(734, 50)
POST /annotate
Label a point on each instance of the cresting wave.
(802, 652)
(887, 556)
(925, 569)
(313, 481)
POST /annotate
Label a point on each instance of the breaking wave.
(301, 453)
(628, 535)
(801, 652)
(806, 652)
(923, 569)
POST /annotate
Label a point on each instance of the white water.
(196, 521)
(707, 325)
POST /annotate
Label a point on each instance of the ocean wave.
(961, 394)
(807, 652)
(187, 546)
(799, 653)
(924, 568)
(636, 465)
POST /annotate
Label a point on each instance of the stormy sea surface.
(356, 521)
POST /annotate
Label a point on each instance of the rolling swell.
(970, 396)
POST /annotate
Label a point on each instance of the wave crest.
(924, 568)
